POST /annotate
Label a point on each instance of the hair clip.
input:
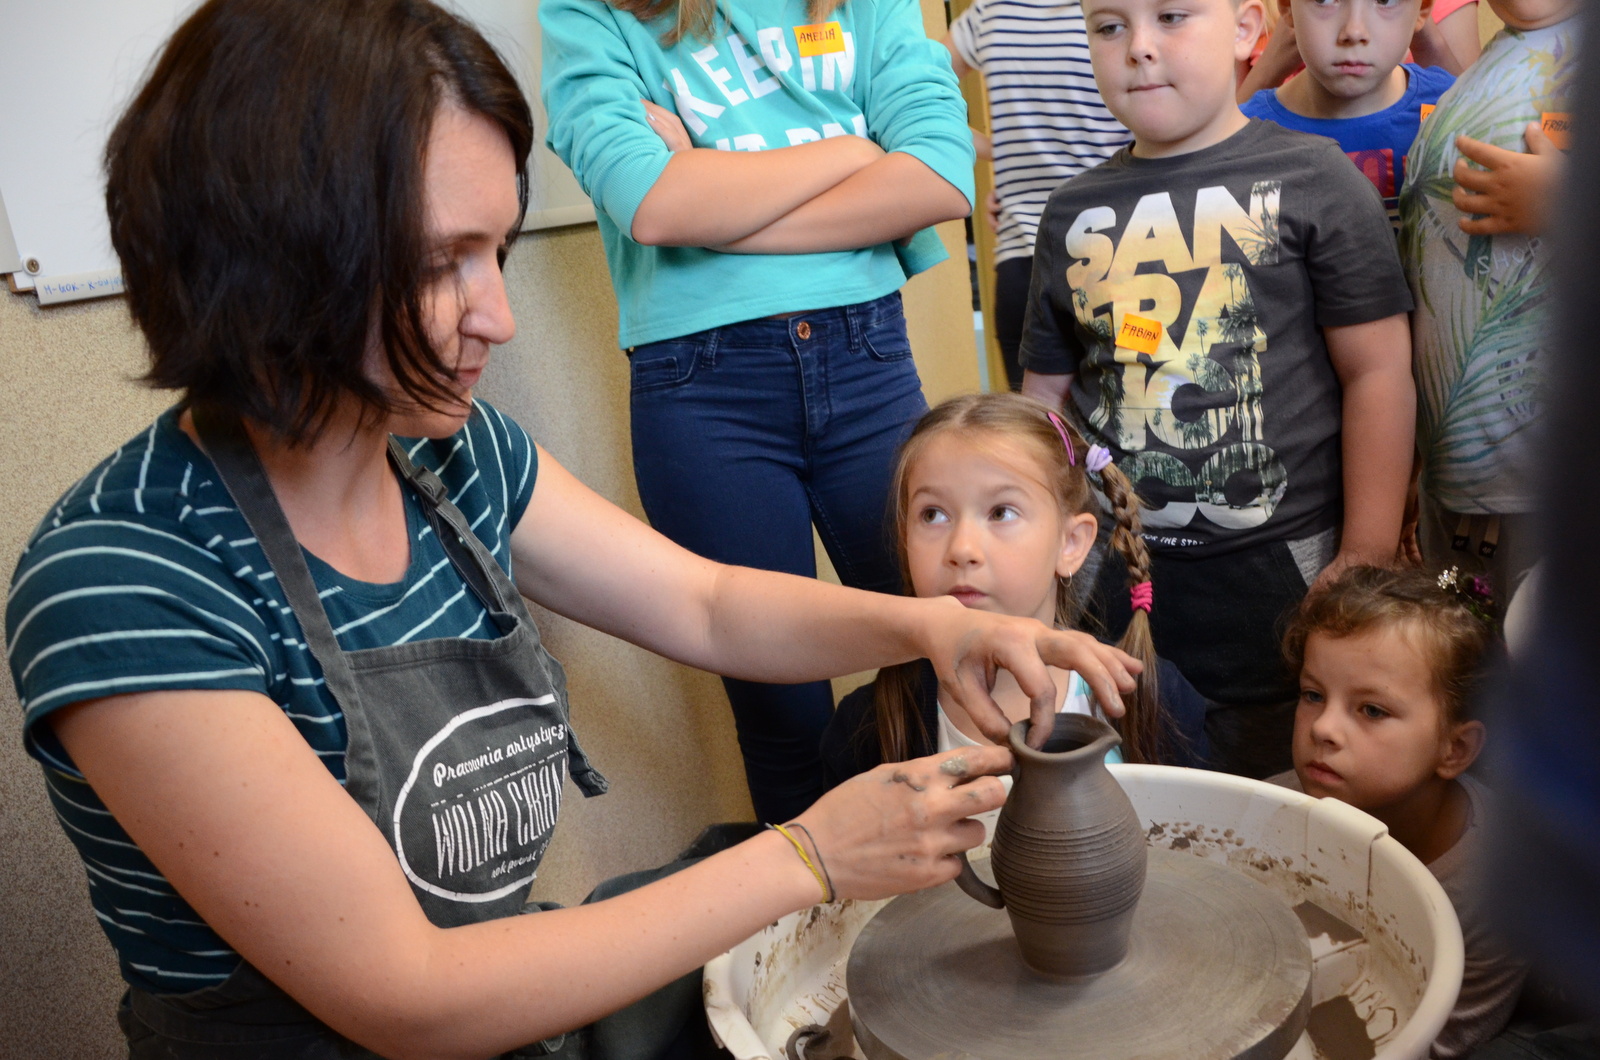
(1142, 596)
(1061, 429)
(1473, 592)
(1098, 459)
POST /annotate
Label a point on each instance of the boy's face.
(1352, 46)
(1165, 68)
(1369, 729)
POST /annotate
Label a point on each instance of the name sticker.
(1427, 109)
(1140, 334)
(1558, 127)
(820, 39)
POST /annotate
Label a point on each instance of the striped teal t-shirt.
(145, 576)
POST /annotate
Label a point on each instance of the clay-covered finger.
(968, 763)
(979, 795)
(972, 692)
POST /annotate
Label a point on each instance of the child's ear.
(1077, 538)
(1251, 18)
(1461, 748)
(1424, 13)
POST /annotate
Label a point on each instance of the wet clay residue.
(1338, 1032)
(1319, 921)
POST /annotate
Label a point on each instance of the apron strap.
(478, 566)
(246, 481)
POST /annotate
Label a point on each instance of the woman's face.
(470, 203)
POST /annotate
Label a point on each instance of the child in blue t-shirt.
(1355, 89)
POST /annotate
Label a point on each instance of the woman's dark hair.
(265, 191)
(1455, 637)
(1147, 729)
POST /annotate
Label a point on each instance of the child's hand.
(1512, 191)
(991, 210)
(668, 126)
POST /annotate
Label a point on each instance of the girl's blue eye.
(1373, 712)
(1310, 695)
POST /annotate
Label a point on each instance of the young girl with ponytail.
(993, 504)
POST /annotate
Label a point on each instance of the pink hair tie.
(1061, 429)
(1142, 596)
(1098, 459)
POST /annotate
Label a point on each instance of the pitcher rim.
(1099, 737)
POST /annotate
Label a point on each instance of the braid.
(1148, 734)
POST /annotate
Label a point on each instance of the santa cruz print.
(476, 811)
(1187, 417)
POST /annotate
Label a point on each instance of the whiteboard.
(67, 70)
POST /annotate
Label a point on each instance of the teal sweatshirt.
(745, 89)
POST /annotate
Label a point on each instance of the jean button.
(803, 329)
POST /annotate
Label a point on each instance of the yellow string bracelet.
(827, 877)
(827, 895)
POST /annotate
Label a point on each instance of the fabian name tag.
(1427, 109)
(1140, 334)
(820, 39)
(1558, 127)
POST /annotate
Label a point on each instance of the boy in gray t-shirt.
(1222, 306)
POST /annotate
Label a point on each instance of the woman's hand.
(899, 827)
(668, 126)
(1512, 190)
(967, 646)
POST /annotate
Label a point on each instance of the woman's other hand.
(668, 126)
(967, 646)
(899, 827)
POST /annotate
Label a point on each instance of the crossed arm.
(840, 193)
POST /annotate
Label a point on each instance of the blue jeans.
(745, 436)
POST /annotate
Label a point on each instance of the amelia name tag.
(1140, 334)
(1427, 109)
(820, 39)
(1558, 127)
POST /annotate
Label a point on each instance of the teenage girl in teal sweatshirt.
(764, 175)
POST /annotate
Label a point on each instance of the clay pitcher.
(1068, 852)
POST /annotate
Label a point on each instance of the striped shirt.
(145, 576)
(1046, 118)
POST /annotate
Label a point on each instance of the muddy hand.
(897, 828)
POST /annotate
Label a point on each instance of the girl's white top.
(1078, 700)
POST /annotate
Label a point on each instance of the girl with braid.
(993, 502)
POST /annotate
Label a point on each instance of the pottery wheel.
(1218, 968)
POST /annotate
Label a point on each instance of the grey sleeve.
(1050, 343)
(1351, 255)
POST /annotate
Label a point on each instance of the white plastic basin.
(1401, 975)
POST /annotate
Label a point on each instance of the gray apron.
(457, 751)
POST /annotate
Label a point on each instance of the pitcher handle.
(968, 881)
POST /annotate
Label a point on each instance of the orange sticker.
(1427, 109)
(1140, 334)
(1558, 127)
(820, 39)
